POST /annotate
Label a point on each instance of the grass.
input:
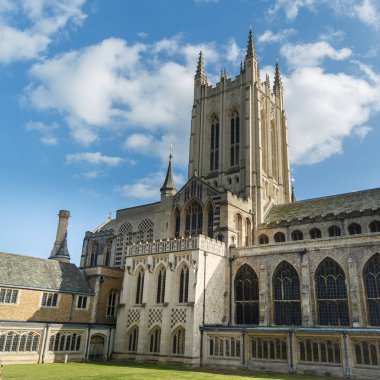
(131, 371)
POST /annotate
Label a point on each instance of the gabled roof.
(35, 273)
(334, 204)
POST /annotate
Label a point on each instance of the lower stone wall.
(29, 342)
(352, 353)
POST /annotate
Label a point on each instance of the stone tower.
(238, 136)
(60, 251)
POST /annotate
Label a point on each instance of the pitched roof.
(32, 272)
(334, 204)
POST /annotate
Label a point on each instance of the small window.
(237, 179)
(82, 302)
(279, 237)
(354, 229)
(374, 226)
(8, 295)
(49, 299)
(263, 239)
(334, 231)
(297, 235)
(315, 233)
(112, 304)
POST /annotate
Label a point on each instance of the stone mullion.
(263, 298)
(307, 319)
(353, 290)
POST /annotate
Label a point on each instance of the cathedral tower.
(238, 136)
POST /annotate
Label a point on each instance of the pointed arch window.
(371, 275)
(274, 150)
(214, 144)
(374, 226)
(184, 284)
(155, 340)
(133, 337)
(107, 253)
(239, 229)
(334, 231)
(287, 299)
(235, 139)
(248, 232)
(331, 294)
(264, 147)
(194, 219)
(161, 283)
(179, 341)
(139, 287)
(177, 223)
(94, 254)
(210, 220)
(246, 296)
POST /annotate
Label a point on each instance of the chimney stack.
(60, 251)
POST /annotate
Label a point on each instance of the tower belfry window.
(214, 144)
(235, 139)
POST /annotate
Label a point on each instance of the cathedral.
(228, 271)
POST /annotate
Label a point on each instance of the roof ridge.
(32, 257)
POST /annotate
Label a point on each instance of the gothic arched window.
(331, 294)
(279, 237)
(315, 233)
(287, 299)
(161, 282)
(354, 229)
(214, 144)
(264, 147)
(235, 139)
(246, 296)
(374, 226)
(210, 220)
(371, 275)
(334, 231)
(184, 284)
(297, 235)
(194, 218)
(139, 287)
(155, 340)
(274, 150)
(107, 253)
(179, 341)
(248, 232)
(263, 239)
(94, 254)
(133, 337)
(239, 228)
(177, 223)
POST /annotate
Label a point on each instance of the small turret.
(277, 85)
(168, 188)
(60, 251)
(251, 67)
(200, 72)
(250, 46)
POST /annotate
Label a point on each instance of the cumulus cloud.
(269, 37)
(312, 54)
(42, 20)
(147, 188)
(93, 158)
(45, 131)
(366, 11)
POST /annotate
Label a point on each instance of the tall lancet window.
(264, 141)
(274, 150)
(235, 139)
(214, 144)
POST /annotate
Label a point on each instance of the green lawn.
(130, 371)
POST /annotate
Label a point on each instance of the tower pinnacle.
(250, 46)
(169, 187)
(200, 73)
(277, 85)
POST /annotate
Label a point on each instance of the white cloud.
(269, 37)
(45, 131)
(234, 52)
(42, 20)
(147, 188)
(93, 158)
(312, 54)
(366, 11)
(92, 174)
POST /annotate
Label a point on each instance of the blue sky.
(94, 92)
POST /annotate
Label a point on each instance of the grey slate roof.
(32, 272)
(336, 204)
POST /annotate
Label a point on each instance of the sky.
(94, 92)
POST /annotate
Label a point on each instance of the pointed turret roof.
(200, 73)
(277, 77)
(169, 180)
(250, 46)
(63, 251)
